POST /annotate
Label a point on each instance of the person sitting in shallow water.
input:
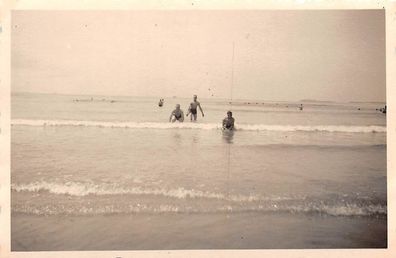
(177, 114)
(228, 122)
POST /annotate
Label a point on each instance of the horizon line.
(217, 98)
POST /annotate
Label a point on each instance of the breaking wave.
(203, 126)
(338, 209)
(84, 189)
(73, 199)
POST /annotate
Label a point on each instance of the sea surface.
(106, 173)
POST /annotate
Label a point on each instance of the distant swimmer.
(193, 109)
(177, 115)
(228, 122)
(301, 107)
(161, 102)
(383, 110)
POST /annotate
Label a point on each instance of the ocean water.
(118, 159)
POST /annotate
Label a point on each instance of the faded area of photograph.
(164, 130)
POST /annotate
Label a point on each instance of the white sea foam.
(84, 189)
(337, 209)
(235, 203)
(203, 126)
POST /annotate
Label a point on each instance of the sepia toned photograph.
(198, 130)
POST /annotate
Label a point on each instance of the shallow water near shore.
(251, 230)
(112, 173)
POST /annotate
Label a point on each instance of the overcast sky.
(278, 55)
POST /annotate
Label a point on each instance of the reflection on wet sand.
(228, 136)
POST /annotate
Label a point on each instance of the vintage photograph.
(198, 129)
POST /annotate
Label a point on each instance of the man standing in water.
(177, 114)
(193, 109)
(228, 122)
